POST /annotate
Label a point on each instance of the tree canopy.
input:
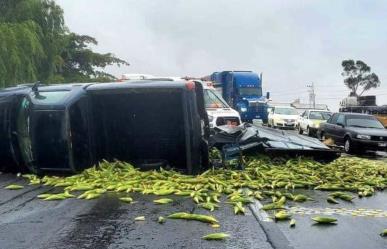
(358, 77)
(35, 45)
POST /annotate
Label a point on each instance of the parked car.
(282, 117)
(356, 132)
(310, 121)
(71, 127)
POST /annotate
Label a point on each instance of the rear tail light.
(190, 85)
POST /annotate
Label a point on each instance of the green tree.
(20, 52)
(358, 77)
(80, 63)
(36, 45)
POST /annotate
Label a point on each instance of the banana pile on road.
(274, 181)
(263, 179)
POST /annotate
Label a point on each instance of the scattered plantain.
(324, 220)
(216, 236)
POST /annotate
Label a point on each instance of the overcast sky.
(293, 43)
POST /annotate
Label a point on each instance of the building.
(300, 107)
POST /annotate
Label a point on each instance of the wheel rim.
(347, 145)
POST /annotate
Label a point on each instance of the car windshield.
(250, 91)
(49, 97)
(213, 100)
(320, 115)
(285, 111)
(364, 122)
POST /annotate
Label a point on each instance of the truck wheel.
(349, 147)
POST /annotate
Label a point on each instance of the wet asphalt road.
(359, 223)
(27, 222)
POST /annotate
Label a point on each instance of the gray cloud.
(292, 42)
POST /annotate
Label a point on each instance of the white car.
(282, 117)
(310, 121)
(219, 112)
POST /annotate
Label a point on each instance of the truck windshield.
(212, 100)
(320, 115)
(285, 111)
(250, 91)
(23, 130)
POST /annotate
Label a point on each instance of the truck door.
(50, 140)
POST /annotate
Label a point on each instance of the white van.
(218, 111)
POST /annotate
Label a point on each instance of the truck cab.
(243, 91)
(218, 111)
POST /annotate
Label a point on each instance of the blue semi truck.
(243, 91)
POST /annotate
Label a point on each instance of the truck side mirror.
(267, 95)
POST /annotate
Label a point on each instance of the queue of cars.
(353, 131)
(288, 117)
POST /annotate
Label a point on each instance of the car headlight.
(243, 109)
(210, 118)
(360, 136)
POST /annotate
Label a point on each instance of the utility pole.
(312, 96)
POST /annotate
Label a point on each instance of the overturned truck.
(68, 128)
(151, 124)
